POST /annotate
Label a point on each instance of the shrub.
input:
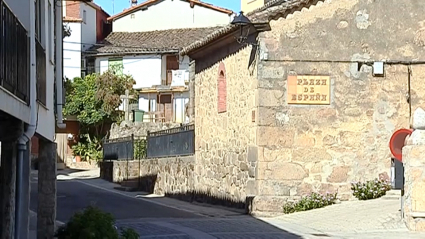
(313, 201)
(92, 223)
(371, 189)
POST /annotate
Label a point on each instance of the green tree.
(94, 100)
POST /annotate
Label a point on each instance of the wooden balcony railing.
(41, 72)
(168, 78)
(14, 54)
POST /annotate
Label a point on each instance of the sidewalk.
(379, 218)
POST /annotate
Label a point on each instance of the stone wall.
(138, 128)
(225, 142)
(414, 171)
(324, 148)
(174, 175)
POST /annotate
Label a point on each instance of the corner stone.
(419, 119)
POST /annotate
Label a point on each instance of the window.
(51, 37)
(39, 22)
(37, 4)
(84, 16)
(116, 65)
(222, 89)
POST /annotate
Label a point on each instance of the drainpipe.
(59, 65)
(22, 189)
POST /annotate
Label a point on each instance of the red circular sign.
(397, 142)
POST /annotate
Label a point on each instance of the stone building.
(310, 103)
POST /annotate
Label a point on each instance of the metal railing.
(14, 54)
(41, 72)
(178, 141)
(125, 148)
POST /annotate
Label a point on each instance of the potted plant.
(78, 150)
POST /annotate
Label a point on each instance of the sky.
(115, 6)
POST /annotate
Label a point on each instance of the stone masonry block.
(286, 171)
(252, 154)
(418, 196)
(310, 155)
(276, 136)
(277, 154)
(414, 155)
(271, 98)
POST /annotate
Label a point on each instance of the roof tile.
(172, 40)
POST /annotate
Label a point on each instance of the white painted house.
(146, 40)
(87, 24)
(28, 109)
(155, 15)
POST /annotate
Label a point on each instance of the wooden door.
(172, 64)
(165, 105)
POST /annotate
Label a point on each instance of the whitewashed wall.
(46, 117)
(146, 70)
(72, 51)
(170, 14)
(183, 65)
(88, 28)
(179, 105)
(180, 100)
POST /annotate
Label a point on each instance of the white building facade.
(30, 107)
(170, 14)
(145, 41)
(85, 22)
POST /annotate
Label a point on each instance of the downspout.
(59, 65)
(20, 213)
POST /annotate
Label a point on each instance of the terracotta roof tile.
(148, 2)
(272, 10)
(163, 41)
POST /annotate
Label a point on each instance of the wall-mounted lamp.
(245, 25)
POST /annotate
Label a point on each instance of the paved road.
(152, 220)
(73, 196)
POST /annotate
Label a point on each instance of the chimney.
(133, 3)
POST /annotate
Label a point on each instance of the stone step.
(392, 195)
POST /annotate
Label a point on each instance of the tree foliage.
(94, 100)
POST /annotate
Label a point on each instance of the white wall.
(8, 102)
(46, 117)
(88, 27)
(146, 70)
(179, 105)
(183, 65)
(72, 52)
(170, 14)
(180, 100)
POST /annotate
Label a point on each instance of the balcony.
(14, 55)
(41, 72)
(168, 78)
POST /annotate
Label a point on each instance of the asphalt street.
(73, 196)
(152, 220)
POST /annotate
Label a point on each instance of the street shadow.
(69, 171)
(140, 184)
(209, 198)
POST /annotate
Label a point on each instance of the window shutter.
(222, 89)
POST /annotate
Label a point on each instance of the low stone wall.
(174, 175)
(138, 128)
